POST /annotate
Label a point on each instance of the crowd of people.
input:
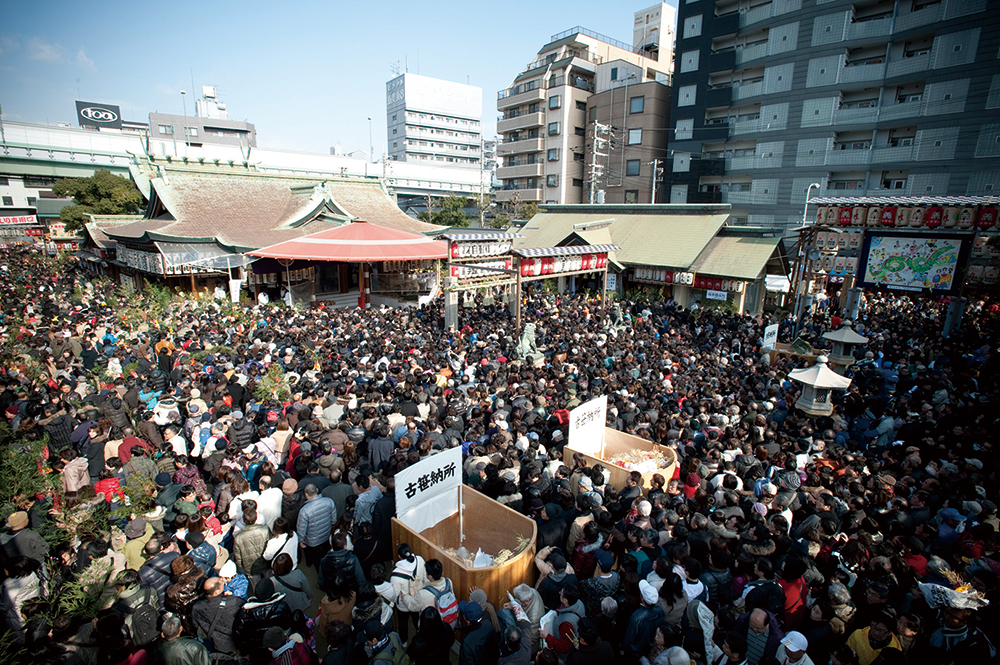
(217, 484)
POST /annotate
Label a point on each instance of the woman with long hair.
(433, 640)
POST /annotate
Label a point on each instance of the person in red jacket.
(796, 589)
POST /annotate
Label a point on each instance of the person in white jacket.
(408, 577)
(283, 540)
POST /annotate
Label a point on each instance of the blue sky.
(307, 74)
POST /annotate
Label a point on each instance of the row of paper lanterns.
(895, 216)
(983, 274)
(662, 276)
(835, 264)
(554, 265)
(833, 240)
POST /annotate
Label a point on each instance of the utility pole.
(595, 152)
(656, 176)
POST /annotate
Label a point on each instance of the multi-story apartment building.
(431, 121)
(862, 97)
(544, 126)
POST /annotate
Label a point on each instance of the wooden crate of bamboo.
(489, 526)
(618, 443)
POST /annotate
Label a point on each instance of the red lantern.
(845, 216)
(669, 276)
(718, 285)
(889, 216)
(987, 217)
(454, 250)
(935, 214)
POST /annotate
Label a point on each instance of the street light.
(805, 209)
(183, 126)
(371, 149)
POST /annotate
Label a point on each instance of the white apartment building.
(544, 127)
(432, 121)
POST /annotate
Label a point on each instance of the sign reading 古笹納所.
(586, 425)
(426, 492)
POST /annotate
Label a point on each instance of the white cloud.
(8, 44)
(43, 51)
(84, 62)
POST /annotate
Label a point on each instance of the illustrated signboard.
(903, 262)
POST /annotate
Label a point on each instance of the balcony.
(517, 147)
(857, 156)
(521, 122)
(919, 63)
(857, 73)
(925, 16)
(903, 153)
(737, 197)
(898, 111)
(504, 195)
(745, 90)
(523, 171)
(879, 27)
(855, 115)
(519, 98)
(751, 52)
(721, 96)
(704, 197)
(740, 163)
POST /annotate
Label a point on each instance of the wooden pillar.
(194, 285)
(362, 302)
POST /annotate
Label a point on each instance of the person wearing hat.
(481, 645)
(642, 625)
(22, 541)
(949, 527)
(793, 650)
(138, 532)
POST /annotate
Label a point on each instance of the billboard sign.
(900, 261)
(91, 114)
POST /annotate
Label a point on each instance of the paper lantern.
(718, 285)
(950, 218)
(852, 265)
(935, 216)
(822, 214)
(889, 216)
(990, 275)
(903, 216)
(844, 216)
(821, 239)
(917, 217)
(828, 262)
(858, 216)
(979, 248)
(832, 240)
(854, 242)
(966, 218)
(842, 239)
(840, 265)
(975, 274)
(874, 215)
(987, 217)
(739, 287)
(668, 276)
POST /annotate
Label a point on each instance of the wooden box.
(616, 443)
(489, 526)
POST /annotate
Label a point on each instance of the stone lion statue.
(527, 347)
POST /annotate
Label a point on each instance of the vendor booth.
(480, 543)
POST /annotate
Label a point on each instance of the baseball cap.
(471, 610)
(795, 641)
(648, 591)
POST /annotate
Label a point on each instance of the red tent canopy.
(358, 242)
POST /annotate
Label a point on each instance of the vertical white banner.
(770, 336)
(586, 425)
(427, 492)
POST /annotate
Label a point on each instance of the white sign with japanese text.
(586, 425)
(712, 294)
(770, 336)
(427, 492)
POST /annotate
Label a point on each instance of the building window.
(533, 108)
(394, 131)
(553, 129)
(8, 200)
(554, 102)
(634, 136)
(580, 131)
(191, 131)
(393, 116)
(166, 129)
(581, 106)
(636, 104)
(551, 181)
(4, 182)
(592, 114)
(614, 73)
(553, 154)
(32, 200)
(395, 144)
(631, 196)
(632, 167)
(577, 182)
(578, 157)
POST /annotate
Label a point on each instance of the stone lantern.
(844, 340)
(818, 382)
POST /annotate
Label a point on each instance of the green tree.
(103, 193)
(449, 212)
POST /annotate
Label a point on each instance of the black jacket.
(215, 618)
(241, 433)
(253, 620)
(115, 411)
(157, 573)
(481, 646)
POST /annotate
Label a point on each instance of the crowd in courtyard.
(191, 503)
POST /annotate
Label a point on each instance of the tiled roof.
(98, 224)
(735, 257)
(242, 208)
(651, 235)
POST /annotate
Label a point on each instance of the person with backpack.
(407, 578)
(439, 593)
(385, 647)
(139, 605)
(215, 614)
